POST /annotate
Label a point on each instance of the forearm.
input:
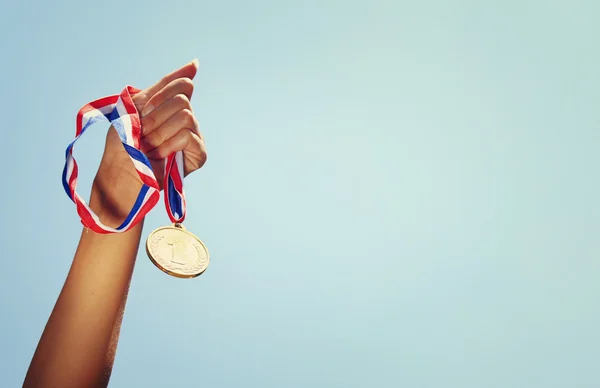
(78, 344)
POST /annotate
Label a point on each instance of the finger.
(183, 86)
(188, 70)
(163, 112)
(178, 142)
(183, 119)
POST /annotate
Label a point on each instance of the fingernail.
(196, 62)
(147, 109)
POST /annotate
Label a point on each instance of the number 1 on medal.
(172, 244)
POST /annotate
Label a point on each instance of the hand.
(168, 126)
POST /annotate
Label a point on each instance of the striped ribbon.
(121, 112)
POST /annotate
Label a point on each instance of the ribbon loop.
(121, 112)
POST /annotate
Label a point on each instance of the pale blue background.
(398, 194)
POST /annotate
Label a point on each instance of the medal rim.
(183, 229)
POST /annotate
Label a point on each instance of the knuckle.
(187, 115)
(161, 152)
(153, 140)
(202, 155)
(182, 100)
(158, 138)
(186, 85)
(203, 158)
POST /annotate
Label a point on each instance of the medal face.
(177, 252)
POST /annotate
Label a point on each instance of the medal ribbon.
(121, 112)
(173, 187)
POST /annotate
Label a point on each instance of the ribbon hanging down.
(121, 112)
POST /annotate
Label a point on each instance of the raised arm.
(78, 345)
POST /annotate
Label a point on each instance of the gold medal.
(177, 252)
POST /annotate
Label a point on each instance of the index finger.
(188, 70)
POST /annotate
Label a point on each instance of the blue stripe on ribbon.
(64, 178)
(136, 207)
(137, 155)
(174, 199)
(113, 115)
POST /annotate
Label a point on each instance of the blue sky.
(397, 194)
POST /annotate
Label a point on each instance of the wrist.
(108, 211)
(112, 200)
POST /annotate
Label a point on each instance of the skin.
(79, 342)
